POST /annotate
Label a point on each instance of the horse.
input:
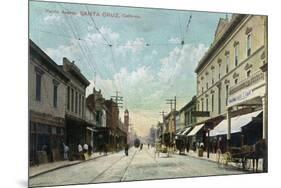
(260, 152)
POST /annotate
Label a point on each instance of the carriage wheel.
(227, 158)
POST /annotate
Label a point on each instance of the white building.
(230, 80)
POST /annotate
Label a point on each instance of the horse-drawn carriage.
(243, 156)
(240, 156)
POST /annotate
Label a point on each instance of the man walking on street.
(65, 151)
(80, 151)
(126, 149)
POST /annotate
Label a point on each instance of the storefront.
(248, 96)
(45, 136)
(245, 129)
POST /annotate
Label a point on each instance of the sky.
(135, 51)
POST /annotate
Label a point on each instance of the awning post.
(228, 127)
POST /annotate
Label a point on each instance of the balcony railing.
(255, 78)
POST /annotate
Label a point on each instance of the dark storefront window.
(72, 99)
(55, 101)
(68, 98)
(38, 87)
(76, 102)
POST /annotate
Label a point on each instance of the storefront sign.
(200, 113)
(239, 98)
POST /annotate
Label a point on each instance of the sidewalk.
(48, 167)
(212, 158)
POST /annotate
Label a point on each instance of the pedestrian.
(65, 151)
(105, 149)
(90, 150)
(201, 145)
(126, 149)
(80, 151)
(187, 147)
(85, 148)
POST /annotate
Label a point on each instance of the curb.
(63, 166)
(210, 160)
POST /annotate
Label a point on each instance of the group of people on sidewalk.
(86, 149)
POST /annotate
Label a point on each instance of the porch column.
(264, 123)
(228, 127)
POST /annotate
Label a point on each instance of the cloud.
(180, 61)
(71, 51)
(145, 89)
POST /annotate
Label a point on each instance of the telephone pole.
(118, 99)
(163, 125)
(172, 102)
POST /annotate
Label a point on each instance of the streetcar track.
(111, 166)
(106, 169)
(126, 169)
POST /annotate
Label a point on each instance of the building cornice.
(231, 29)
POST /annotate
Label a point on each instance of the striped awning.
(195, 130)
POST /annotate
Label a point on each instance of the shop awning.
(179, 131)
(186, 131)
(195, 130)
(236, 124)
(90, 129)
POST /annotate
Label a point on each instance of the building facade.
(76, 125)
(230, 81)
(46, 97)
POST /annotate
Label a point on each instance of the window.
(72, 99)
(207, 85)
(236, 81)
(82, 105)
(38, 87)
(236, 55)
(219, 71)
(198, 106)
(212, 102)
(226, 95)
(68, 98)
(248, 73)
(207, 104)
(249, 41)
(79, 110)
(76, 102)
(213, 75)
(202, 103)
(227, 63)
(55, 96)
(202, 89)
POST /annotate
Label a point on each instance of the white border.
(13, 95)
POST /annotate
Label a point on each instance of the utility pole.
(173, 113)
(118, 99)
(163, 126)
(175, 109)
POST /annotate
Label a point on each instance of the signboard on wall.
(200, 113)
(239, 98)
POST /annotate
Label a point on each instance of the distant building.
(112, 121)
(46, 97)
(90, 117)
(170, 127)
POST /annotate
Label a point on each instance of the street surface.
(139, 165)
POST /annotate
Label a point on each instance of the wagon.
(239, 156)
